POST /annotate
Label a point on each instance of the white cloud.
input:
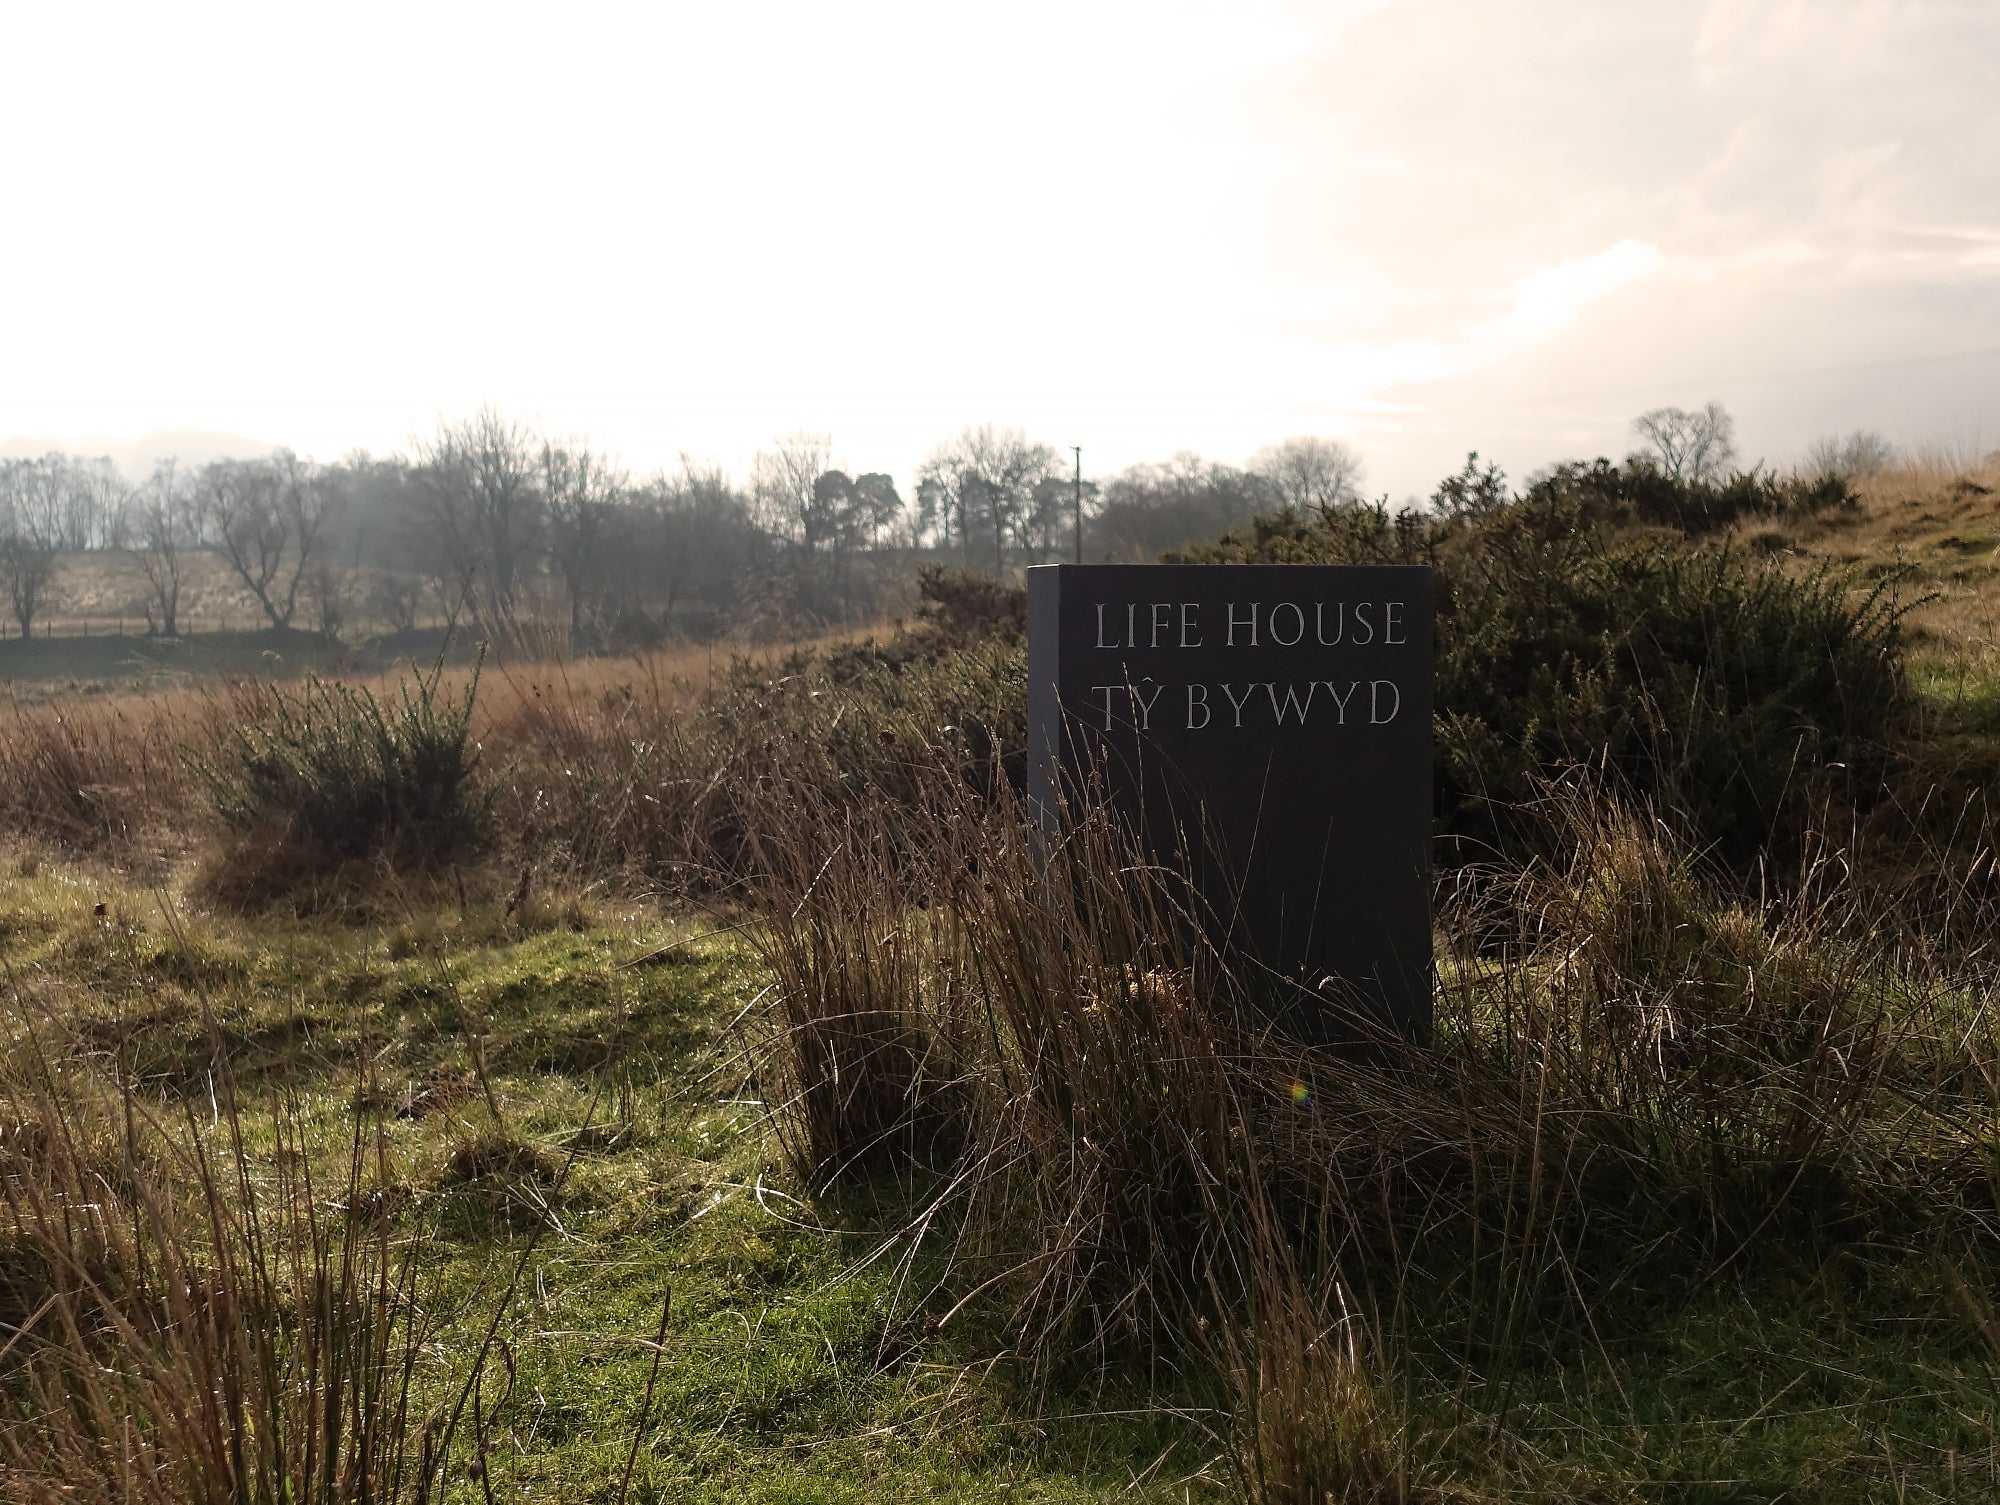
(1429, 225)
(1548, 301)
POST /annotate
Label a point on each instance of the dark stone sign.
(1270, 727)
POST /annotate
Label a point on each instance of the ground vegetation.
(689, 1076)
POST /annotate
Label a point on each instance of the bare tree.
(784, 486)
(1860, 455)
(825, 515)
(699, 543)
(931, 518)
(982, 484)
(29, 573)
(74, 502)
(385, 525)
(1310, 474)
(93, 494)
(482, 509)
(1149, 509)
(32, 496)
(268, 518)
(164, 524)
(580, 490)
(1695, 447)
(329, 591)
(397, 597)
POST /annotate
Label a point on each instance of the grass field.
(570, 1136)
(545, 1102)
(574, 1137)
(1942, 526)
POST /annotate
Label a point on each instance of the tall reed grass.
(677, 792)
(193, 1316)
(1631, 1062)
(108, 775)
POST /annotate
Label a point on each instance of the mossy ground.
(565, 1092)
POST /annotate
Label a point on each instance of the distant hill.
(135, 458)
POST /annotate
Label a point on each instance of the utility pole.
(1078, 499)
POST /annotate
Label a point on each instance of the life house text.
(1149, 704)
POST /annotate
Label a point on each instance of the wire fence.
(121, 627)
(186, 626)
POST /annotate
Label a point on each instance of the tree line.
(490, 524)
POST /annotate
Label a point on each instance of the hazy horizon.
(1421, 228)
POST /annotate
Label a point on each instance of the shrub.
(332, 773)
(960, 607)
(1714, 684)
(1641, 492)
(1729, 692)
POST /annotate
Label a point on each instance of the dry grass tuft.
(1312, 1426)
(108, 775)
(201, 1323)
(1631, 1064)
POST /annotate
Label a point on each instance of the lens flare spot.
(1301, 1093)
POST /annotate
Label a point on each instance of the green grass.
(1962, 691)
(1816, 1377)
(794, 1368)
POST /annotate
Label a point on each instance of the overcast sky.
(1423, 227)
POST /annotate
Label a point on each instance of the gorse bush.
(331, 773)
(958, 608)
(1733, 695)
(1639, 491)
(1730, 693)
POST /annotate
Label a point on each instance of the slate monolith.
(1266, 728)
